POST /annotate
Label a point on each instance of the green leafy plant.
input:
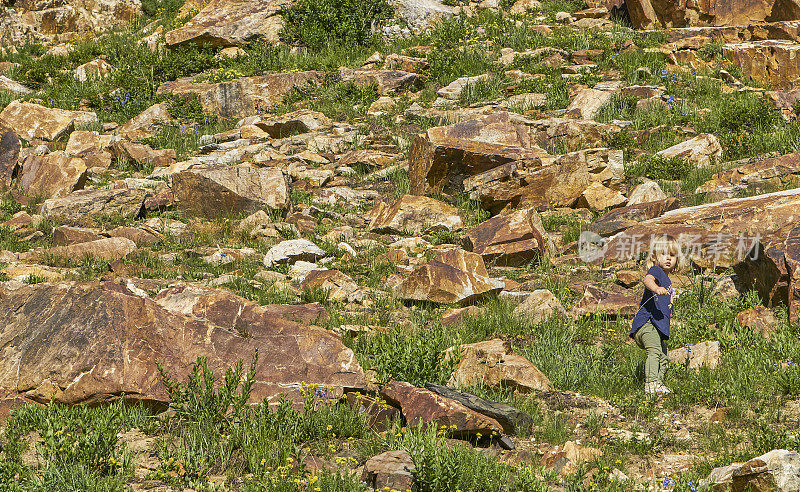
(322, 23)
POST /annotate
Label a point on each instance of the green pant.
(648, 338)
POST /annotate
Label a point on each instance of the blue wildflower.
(320, 393)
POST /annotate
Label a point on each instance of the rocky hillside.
(352, 245)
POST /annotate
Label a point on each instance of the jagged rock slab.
(596, 301)
(210, 191)
(52, 175)
(494, 363)
(512, 419)
(772, 62)
(232, 22)
(624, 217)
(647, 14)
(778, 469)
(31, 121)
(511, 239)
(422, 405)
(414, 214)
(776, 172)
(82, 208)
(91, 342)
(9, 155)
(453, 276)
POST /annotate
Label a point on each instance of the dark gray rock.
(512, 419)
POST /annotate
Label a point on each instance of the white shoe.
(663, 390)
(651, 388)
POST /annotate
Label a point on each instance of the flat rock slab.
(292, 251)
(414, 214)
(425, 406)
(493, 363)
(110, 249)
(210, 191)
(232, 22)
(52, 175)
(701, 354)
(619, 219)
(781, 171)
(512, 239)
(596, 301)
(82, 208)
(31, 121)
(92, 342)
(512, 419)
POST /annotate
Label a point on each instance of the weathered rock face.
(209, 191)
(598, 301)
(772, 62)
(232, 22)
(538, 306)
(338, 285)
(80, 342)
(587, 103)
(146, 123)
(597, 197)
(702, 150)
(544, 183)
(291, 251)
(421, 15)
(414, 214)
(512, 239)
(111, 248)
(624, 217)
(90, 146)
(760, 319)
(387, 81)
(512, 419)
(453, 276)
(243, 96)
(52, 175)
(777, 470)
(754, 177)
(81, 208)
(649, 191)
(494, 363)
(300, 121)
(95, 69)
(141, 155)
(47, 22)
(31, 121)
(647, 14)
(444, 156)
(390, 470)
(9, 154)
(422, 405)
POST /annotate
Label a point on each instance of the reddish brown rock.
(52, 175)
(9, 155)
(494, 364)
(243, 97)
(422, 405)
(300, 121)
(546, 183)
(142, 155)
(760, 319)
(338, 285)
(702, 150)
(139, 236)
(414, 214)
(600, 302)
(31, 121)
(146, 123)
(231, 22)
(82, 208)
(512, 239)
(304, 314)
(65, 235)
(210, 191)
(392, 470)
(774, 63)
(455, 315)
(387, 81)
(88, 342)
(778, 172)
(647, 14)
(110, 249)
(92, 147)
(539, 306)
(453, 276)
(624, 217)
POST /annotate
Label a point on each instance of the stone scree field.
(352, 245)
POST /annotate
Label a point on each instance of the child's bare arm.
(650, 282)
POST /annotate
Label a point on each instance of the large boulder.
(421, 15)
(110, 249)
(494, 364)
(545, 183)
(772, 62)
(83, 208)
(512, 419)
(292, 251)
(390, 470)
(777, 172)
(232, 22)
(146, 123)
(442, 157)
(453, 276)
(597, 301)
(702, 354)
(777, 470)
(244, 96)
(386, 81)
(210, 191)
(512, 239)
(50, 22)
(29, 120)
(89, 342)
(619, 219)
(424, 406)
(702, 150)
(92, 147)
(647, 14)
(539, 306)
(414, 214)
(52, 175)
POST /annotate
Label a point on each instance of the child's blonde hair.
(665, 245)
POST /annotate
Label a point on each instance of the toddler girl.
(650, 327)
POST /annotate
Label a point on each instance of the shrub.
(322, 23)
(657, 167)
